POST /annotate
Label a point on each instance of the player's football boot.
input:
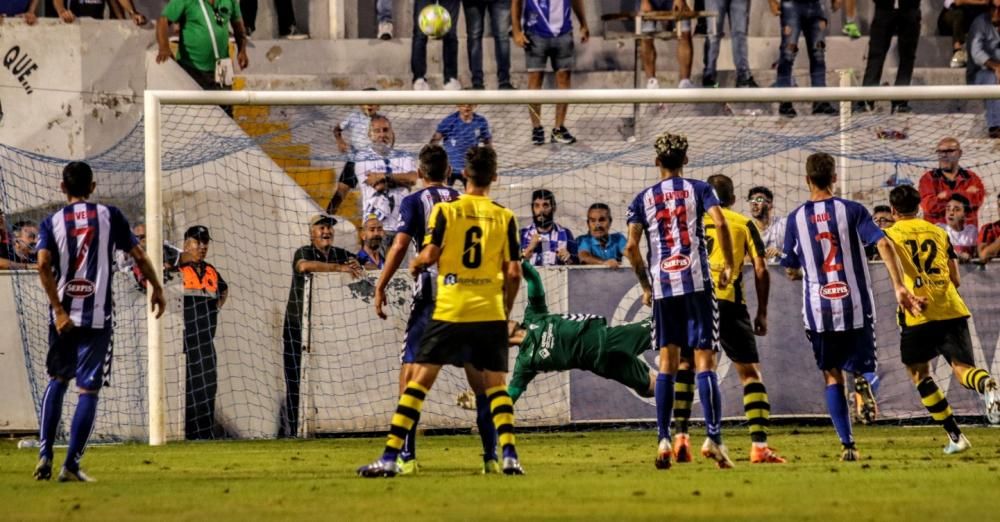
(958, 446)
(663, 455)
(491, 467)
(718, 453)
(991, 396)
(43, 471)
(512, 467)
(66, 475)
(407, 467)
(850, 454)
(682, 448)
(764, 455)
(380, 468)
(869, 409)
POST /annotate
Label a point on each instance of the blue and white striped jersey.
(827, 240)
(671, 212)
(547, 18)
(81, 239)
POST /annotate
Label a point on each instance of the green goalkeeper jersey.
(554, 342)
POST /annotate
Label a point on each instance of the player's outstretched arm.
(904, 297)
(536, 290)
(519, 381)
(392, 261)
(635, 259)
(156, 301)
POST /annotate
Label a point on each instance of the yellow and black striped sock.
(758, 410)
(502, 409)
(406, 416)
(683, 397)
(935, 402)
(975, 379)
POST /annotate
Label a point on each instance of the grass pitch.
(602, 475)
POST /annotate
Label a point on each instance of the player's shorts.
(736, 333)
(850, 350)
(690, 321)
(541, 50)
(483, 344)
(421, 310)
(949, 338)
(83, 354)
(652, 26)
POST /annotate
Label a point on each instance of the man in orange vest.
(204, 294)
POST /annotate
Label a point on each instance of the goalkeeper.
(557, 342)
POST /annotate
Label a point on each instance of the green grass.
(606, 475)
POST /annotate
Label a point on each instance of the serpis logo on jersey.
(79, 288)
(835, 290)
(675, 263)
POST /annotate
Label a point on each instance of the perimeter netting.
(255, 180)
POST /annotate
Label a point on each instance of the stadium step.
(288, 154)
(318, 182)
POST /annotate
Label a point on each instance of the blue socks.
(836, 403)
(83, 424)
(52, 404)
(487, 431)
(873, 381)
(664, 393)
(711, 404)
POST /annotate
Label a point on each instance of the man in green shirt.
(560, 342)
(204, 37)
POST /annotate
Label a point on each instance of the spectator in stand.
(961, 233)
(459, 132)
(418, 47)
(902, 19)
(761, 201)
(286, 18)
(545, 243)
(94, 9)
(547, 35)
(800, 17)
(475, 16)
(26, 8)
(684, 47)
(984, 66)
(124, 262)
(372, 253)
(882, 216)
(955, 19)
(601, 246)
(989, 239)
(23, 255)
(937, 186)
(738, 12)
(352, 138)
(204, 46)
(383, 13)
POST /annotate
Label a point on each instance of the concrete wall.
(17, 410)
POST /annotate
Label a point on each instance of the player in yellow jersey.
(735, 329)
(474, 241)
(930, 271)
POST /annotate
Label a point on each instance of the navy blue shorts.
(420, 314)
(850, 350)
(690, 321)
(81, 353)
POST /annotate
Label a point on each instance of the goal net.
(255, 180)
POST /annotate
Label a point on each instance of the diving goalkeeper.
(560, 342)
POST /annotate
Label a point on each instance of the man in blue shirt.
(600, 246)
(372, 253)
(459, 132)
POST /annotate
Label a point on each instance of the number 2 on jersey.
(829, 263)
(928, 247)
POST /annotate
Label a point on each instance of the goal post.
(807, 131)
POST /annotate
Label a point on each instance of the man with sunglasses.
(937, 185)
(23, 254)
(761, 201)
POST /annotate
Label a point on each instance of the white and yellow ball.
(435, 21)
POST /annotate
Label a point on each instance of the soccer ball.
(435, 21)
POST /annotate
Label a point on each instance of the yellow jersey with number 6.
(746, 242)
(477, 237)
(923, 250)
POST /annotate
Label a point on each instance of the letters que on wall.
(20, 66)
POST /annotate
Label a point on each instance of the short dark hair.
(963, 200)
(904, 199)
(480, 165)
(600, 206)
(761, 190)
(821, 168)
(433, 162)
(22, 224)
(545, 194)
(78, 177)
(881, 208)
(724, 189)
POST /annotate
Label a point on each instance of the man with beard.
(600, 246)
(318, 256)
(761, 201)
(372, 253)
(544, 242)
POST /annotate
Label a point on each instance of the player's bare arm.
(511, 284)
(725, 242)
(638, 263)
(904, 297)
(48, 279)
(392, 262)
(762, 282)
(156, 301)
(953, 273)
